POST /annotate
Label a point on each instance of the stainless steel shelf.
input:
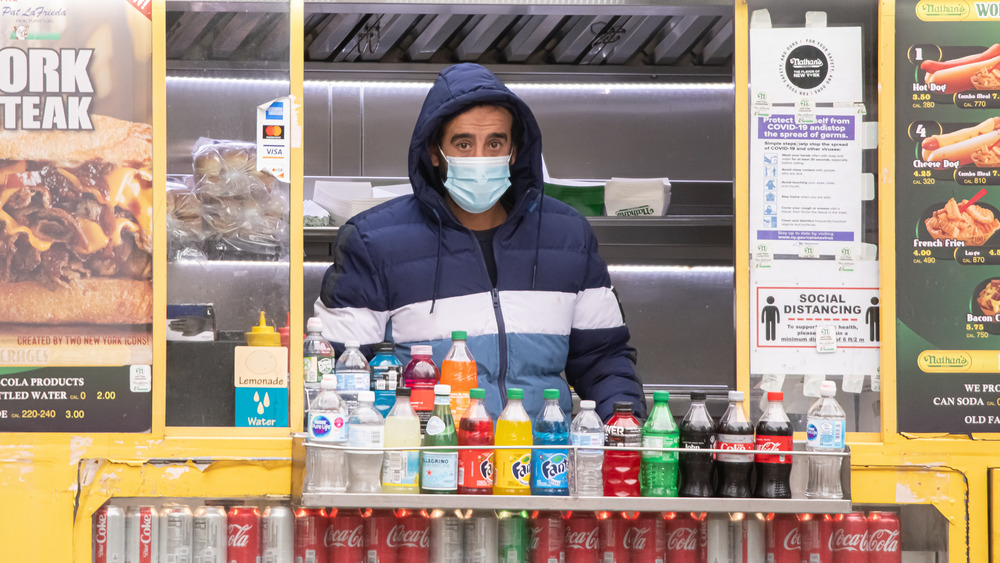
(612, 504)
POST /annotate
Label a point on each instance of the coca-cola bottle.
(697, 431)
(774, 434)
(734, 434)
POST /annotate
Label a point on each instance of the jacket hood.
(456, 89)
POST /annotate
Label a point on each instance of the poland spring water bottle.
(825, 428)
(326, 469)
(585, 478)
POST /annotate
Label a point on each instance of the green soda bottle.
(439, 468)
(658, 472)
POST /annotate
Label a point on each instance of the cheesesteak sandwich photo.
(75, 225)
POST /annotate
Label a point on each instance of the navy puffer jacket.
(408, 271)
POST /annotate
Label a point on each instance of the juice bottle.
(459, 370)
(400, 469)
(621, 468)
(513, 465)
(421, 375)
(385, 367)
(439, 468)
(475, 467)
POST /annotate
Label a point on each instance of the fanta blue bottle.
(550, 467)
(513, 466)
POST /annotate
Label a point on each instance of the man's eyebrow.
(462, 137)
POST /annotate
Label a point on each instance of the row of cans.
(245, 534)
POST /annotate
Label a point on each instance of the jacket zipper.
(502, 342)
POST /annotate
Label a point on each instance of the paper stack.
(346, 199)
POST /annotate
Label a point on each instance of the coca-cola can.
(481, 537)
(412, 537)
(447, 539)
(611, 536)
(210, 535)
(142, 533)
(849, 539)
(310, 529)
(546, 537)
(784, 544)
(378, 526)
(109, 534)
(644, 537)
(717, 536)
(176, 533)
(243, 531)
(883, 537)
(277, 535)
(815, 530)
(345, 537)
(582, 538)
(681, 537)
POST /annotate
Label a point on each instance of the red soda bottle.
(475, 467)
(421, 375)
(774, 433)
(621, 469)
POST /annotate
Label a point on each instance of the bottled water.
(326, 468)
(353, 374)
(585, 478)
(365, 429)
(317, 359)
(825, 428)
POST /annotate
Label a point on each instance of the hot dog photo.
(979, 71)
(978, 144)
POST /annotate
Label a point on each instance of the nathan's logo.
(634, 211)
(806, 66)
(944, 360)
(945, 10)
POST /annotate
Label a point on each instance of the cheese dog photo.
(976, 144)
(76, 214)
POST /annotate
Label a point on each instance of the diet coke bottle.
(849, 539)
(244, 534)
(774, 434)
(582, 541)
(345, 537)
(883, 537)
(681, 537)
(734, 434)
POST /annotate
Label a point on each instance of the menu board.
(75, 216)
(947, 192)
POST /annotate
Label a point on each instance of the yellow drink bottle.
(513, 466)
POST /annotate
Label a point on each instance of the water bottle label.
(400, 468)
(327, 428)
(353, 380)
(439, 471)
(552, 467)
(587, 440)
(309, 371)
(365, 437)
(773, 444)
(324, 366)
(475, 468)
(825, 434)
(736, 443)
(435, 426)
(659, 442)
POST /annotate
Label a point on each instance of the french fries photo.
(973, 226)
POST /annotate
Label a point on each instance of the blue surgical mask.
(476, 183)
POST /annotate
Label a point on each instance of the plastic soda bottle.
(734, 434)
(459, 370)
(365, 429)
(386, 369)
(401, 468)
(421, 375)
(697, 431)
(513, 465)
(475, 467)
(774, 433)
(550, 468)
(825, 432)
(585, 465)
(439, 468)
(659, 469)
(326, 469)
(621, 469)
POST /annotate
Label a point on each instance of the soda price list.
(73, 399)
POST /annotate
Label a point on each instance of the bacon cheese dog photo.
(976, 144)
(76, 213)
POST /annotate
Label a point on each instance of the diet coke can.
(849, 539)
(883, 537)
(412, 537)
(345, 537)
(243, 530)
(310, 528)
(717, 535)
(176, 533)
(546, 537)
(481, 538)
(582, 538)
(746, 535)
(815, 530)
(109, 534)
(611, 535)
(447, 539)
(784, 544)
(644, 537)
(681, 537)
(378, 527)
(142, 532)
(277, 535)
(210, 536)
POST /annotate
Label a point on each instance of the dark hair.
(516, 129)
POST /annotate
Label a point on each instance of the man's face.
(480, 131)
